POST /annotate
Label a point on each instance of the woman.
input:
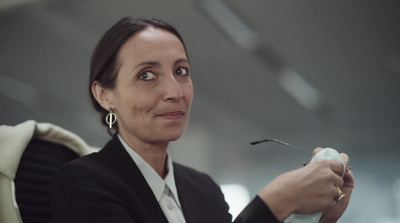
(140, 82)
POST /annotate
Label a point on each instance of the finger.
(337, 193)
(336, 167)
(345, 158)
(316, 150)
(338, 181)
(348, 179)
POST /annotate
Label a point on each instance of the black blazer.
(108, 187)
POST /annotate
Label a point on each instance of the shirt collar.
(156, 183)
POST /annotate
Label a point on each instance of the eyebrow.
(181, 60)
(152, 63)
(148, 63)
(155, 63)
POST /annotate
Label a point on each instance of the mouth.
(172, 115)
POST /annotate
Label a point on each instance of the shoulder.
(97, 163)
(79, 170)
(87, 162)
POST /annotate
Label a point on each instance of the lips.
(172, 115)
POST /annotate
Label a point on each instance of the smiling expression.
(153, 90)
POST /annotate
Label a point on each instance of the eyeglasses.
(287, 144)
(280, 142)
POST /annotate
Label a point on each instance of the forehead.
(151, 41)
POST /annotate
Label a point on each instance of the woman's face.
(153, 91)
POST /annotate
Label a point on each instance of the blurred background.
(311, 73)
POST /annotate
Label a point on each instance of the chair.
(30, 153)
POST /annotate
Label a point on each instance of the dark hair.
(104, 65)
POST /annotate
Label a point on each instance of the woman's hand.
(309, 189)
(335, 212)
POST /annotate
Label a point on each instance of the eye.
(182, 71)
(147, 76)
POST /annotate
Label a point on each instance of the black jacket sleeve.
(203, 200)
(256, 212)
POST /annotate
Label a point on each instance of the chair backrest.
(38, 163)
(30, 154)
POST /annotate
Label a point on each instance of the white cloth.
(164, 189)
(13, 141)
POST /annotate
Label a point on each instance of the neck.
(154, 154)
(156, 157)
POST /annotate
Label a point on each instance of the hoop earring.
(111, 118)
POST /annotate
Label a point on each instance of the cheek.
(130, 103)
(189, 93)
(143, 103)
(140, 105)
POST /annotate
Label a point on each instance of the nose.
(172, 89)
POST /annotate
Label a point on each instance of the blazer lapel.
(118, 160)
(184, 196)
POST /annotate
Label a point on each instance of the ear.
(102, 95)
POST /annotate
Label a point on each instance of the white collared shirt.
(164, 189)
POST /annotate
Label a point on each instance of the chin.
(173, 136)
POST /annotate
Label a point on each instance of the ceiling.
(346, 52)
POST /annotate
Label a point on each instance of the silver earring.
(111, 118)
